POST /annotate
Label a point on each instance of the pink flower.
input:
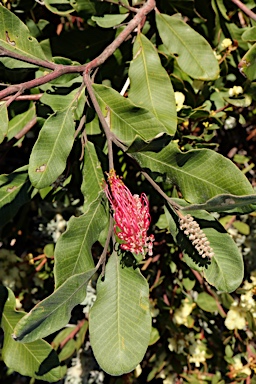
(131, 215)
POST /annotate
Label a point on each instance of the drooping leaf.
(4, 121)
(200, 174)
(73, 249)
(54, 312)
(93, 176)
(109, 21)
(14, 192)
(126, 120)
(15, 36)
(225, 270)
(151, 87)
(37, 359)
(120, 338)
(192, 52)
(230, 203)
(50, 152)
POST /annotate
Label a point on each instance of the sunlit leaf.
(192, 52)
(120, 339)
(151, 87)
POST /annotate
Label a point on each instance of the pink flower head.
(131, 215)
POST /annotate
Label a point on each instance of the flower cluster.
(198, 238)
(131, 215)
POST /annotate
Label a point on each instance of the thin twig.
(102, 119)
(103, 256)
(245, 9)
(25, 129)
(174, 205)
(11, 99)
(25, 97)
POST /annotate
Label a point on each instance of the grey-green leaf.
(200, 174)
(120, 321)
(225, 270)
(37, 359)
(126, 120)
(192, 52)
(224, 203)
(73, 249)
(54, 312)
(151, 87)
(50, 152)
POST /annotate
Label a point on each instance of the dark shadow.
(3, 298)
(50, 362)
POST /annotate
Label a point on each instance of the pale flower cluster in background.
(181, 314)
(226, 43)
(235, 91)
(179, 99)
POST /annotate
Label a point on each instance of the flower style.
(131, 215)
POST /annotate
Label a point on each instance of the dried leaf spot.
(42, 168)
(9, 41)
(11, 189)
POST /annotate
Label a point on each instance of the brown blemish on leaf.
(42, 168)
(11, 189)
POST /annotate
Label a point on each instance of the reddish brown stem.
(27, 128)
(245, 9)
(59, 70)
(26, 97)
(73, 333)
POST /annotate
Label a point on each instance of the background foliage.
(164, 92)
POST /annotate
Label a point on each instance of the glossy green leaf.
(151, 87)
(36, 359)
(206, 302)
(192, 52)
(93, 176)
(200, 174)
(4, 121)
(57, 101)
(109, 21)
(73, 248)
(15, 36)
(19, 121)
(54, 312)
(249, 34)
(50, 152)
(120, 321)
(224, 203)
(60, 7)
(247, 64)
(126, 120)
(14, 192)
(225, 270)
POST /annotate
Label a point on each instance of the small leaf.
(151, 87)
(119, 339)
(200, 174)
(93, 176)
(60, 7)
(49, 154)
(126, 120)
(249, 34)
(19, 121)
(192, 52)
(36, 359)
(73, 249)
(109, 21)
(14, 192)
(54, 312)
(225, 270)
(4, 121)
(206, 302)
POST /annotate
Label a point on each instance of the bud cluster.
(198, 238)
